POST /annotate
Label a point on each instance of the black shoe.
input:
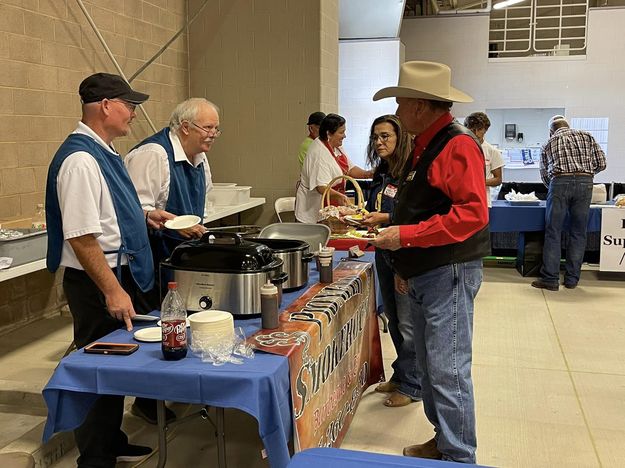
(133, 453)
(146, 410)
(570, 285)
(544, 285)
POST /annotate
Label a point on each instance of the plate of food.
(355, 219)
(360, 234)
(182, 222)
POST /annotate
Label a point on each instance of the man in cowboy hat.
(439, 237)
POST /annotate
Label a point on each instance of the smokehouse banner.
(331, 338)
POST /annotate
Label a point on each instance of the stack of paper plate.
(216, 324)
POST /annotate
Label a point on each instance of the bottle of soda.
(173, 324)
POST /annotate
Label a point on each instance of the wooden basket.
(335, 224)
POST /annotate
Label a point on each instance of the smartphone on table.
(100, 347)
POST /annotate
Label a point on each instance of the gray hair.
(554, 119)
(188, 111)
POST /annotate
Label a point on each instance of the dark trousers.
(99, 438)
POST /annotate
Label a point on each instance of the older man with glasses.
(170, 172)
(97, 231)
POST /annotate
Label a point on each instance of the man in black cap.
(314, 120)
(97, 231)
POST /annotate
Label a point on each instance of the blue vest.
(187, 194)
(187, 183)
(381, 179)
(134, 236)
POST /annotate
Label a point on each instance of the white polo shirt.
(86, 203)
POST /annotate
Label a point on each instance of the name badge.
(411, 175)
(390, 191)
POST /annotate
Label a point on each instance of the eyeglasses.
(128, 105)
(382, 136)
(214, 130)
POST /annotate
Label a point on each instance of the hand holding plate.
(387, 239)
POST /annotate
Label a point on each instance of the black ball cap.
(100, 86)
(315, 118)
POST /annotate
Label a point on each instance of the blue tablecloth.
(513, 218)
(259, 386)
(339, 458)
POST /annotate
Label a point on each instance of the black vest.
(418, 201)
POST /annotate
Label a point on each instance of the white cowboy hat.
(424, 80)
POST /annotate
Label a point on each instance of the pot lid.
(223, 252)
(283, 245)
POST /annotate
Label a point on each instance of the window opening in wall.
(539, 28)
(510, 31)
(596, 126)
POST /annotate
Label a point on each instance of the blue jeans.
(406, 372)
(442, 301)
(567, 195)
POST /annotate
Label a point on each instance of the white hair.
(553, 119)
(188, 111)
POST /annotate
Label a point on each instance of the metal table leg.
(221, 438)
(219, 426)
(162, 433)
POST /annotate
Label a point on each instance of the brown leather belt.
(560, 174)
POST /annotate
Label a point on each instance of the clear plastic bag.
(219, 349)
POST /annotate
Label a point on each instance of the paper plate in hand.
(182, 222)
(150, 334)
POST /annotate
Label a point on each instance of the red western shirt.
(458, 172)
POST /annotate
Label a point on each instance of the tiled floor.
(549, 375)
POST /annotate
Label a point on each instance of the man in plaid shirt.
(568, 162)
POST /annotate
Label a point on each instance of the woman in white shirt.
(479, 123)
(324, 161)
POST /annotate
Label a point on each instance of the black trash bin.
(529, 257)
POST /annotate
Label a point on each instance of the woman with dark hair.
(324, 161)
(389, 149)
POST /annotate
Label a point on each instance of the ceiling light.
(506, 4)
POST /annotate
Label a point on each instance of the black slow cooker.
(222, 271)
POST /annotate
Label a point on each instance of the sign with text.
(331, 338)
(612, 240)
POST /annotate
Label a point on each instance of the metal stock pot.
(295, 255)
(223, 271)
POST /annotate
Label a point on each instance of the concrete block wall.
(268, 64)
(46, 49)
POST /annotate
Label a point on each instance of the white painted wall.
(587, 87)
(365, 67)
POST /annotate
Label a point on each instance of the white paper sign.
(612, 240)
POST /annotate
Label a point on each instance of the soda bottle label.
(174, 333)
